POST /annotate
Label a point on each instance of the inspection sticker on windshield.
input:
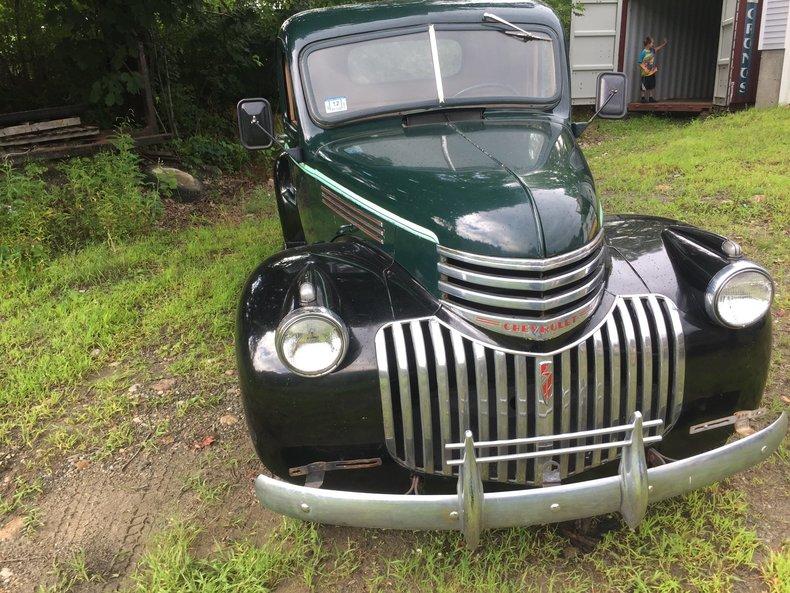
(336, 105)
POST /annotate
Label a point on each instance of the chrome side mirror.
(256, 124)
(610, 99)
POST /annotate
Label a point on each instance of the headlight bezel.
(720, 281)
(304, 313)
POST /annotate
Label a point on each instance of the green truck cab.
(453, 307)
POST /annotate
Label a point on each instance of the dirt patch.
(224, 198)
(107, 515)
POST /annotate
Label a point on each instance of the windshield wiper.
(520, 33)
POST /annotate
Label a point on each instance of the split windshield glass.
(428, 69)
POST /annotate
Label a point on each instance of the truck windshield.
(434, 68)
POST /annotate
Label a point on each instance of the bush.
(27, 214)
(91, 199)
(203, 151)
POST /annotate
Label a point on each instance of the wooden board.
(42, 153)
(47, 113)
(40, 127)
(69, 133)
(672, 106)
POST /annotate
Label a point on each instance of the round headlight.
(739, 295)
(312, 341)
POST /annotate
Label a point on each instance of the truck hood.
(499, 187)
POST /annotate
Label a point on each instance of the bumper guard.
(472, 511)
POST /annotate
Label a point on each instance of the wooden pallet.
(73, 149)
(40, 126)
(679, 106)
(60, 135)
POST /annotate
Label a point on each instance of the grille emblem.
(546, 381)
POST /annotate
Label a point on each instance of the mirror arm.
(604, 104)
(580, 127)
(294, 153)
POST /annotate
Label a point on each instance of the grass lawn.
(80, 333)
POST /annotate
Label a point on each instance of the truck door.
(595, 41)
(724, 58)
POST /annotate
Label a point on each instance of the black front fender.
(293, 420)
(726, 369)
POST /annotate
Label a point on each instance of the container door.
(724, 61)
(595, 40)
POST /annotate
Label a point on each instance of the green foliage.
(203, 55)
(294, 551)
(564, 10)
(201, 151)
(27, 214)
(68, 318)
(727, 173)
(89, 199)
(776, 570)
(24, 490)
(698, 543)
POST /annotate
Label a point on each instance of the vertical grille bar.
(544, 423)
(565, 425)
(442, 388)
(599, 391)
(630, 353)
(520, 368)
(424, 392)
(461, 382)
(502, 405)
(404, 388)
(481, 384)
(386, 392)
(663, 355)
(615, 370)
(581, 389)
(679, 376)
(643, 330)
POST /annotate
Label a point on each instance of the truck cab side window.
(290, 101)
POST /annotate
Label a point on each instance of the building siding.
(773, 29)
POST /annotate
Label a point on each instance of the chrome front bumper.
(471, 510)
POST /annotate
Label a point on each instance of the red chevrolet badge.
(546, 381)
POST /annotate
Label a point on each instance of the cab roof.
(338, 21)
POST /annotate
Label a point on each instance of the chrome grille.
(436, 384)
(549, 296)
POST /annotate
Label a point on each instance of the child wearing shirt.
(648, 68)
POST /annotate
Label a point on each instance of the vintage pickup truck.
(454, 308)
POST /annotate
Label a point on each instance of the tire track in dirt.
(103, 513)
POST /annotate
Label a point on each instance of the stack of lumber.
(57, 132)
(32, 134)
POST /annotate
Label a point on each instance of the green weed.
(24, 490)
(293, 549)
(201, 151)
(69, 575)
(203, 489)
(101, 198)
(76, 316)
(727, 174)
(776, 570)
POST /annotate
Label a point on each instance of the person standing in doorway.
(648, 69)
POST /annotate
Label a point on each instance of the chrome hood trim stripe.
(529, 265)
(370, 206)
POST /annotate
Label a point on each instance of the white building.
(774, 46)
(720, 52)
